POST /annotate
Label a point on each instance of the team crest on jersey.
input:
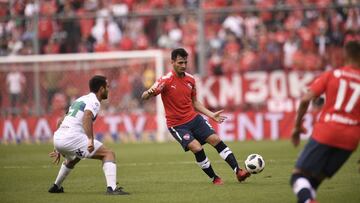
(337, 73)
(186, 136)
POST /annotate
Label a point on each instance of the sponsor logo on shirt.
(340, 119)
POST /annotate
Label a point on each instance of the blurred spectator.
(107, 32)
(322, 41)
(59, 105)
(248, 60)
(15, 81)
(215, 64)
(353, 20)
(51, 83)
(123, 88)
(14, 43)
(53, 46)
(47, 26)
(148, 77)
(70, 25)
(234, 23)
(192, 4)
(290, 47)
(142, 43)
(137, 85)
(261, 38)
(126, 43)
(251, 24)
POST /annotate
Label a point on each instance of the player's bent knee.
(110, 154)
(213, 139)
(71, 164)
(195, 148)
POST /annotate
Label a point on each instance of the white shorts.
(74, 145)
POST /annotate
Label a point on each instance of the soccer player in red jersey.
(336, 133)
(187, 126)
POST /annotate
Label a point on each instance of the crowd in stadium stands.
(294, 39)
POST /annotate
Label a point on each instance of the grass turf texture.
(162, 172)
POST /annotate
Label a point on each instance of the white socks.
(109, 169)
(63, 172)
(303, 183)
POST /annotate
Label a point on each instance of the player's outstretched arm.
(148, 94)
(216, 116)
(303, 107)
(88, 128)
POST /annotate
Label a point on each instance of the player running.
(74, 138)
(191, 130)
(336, 134)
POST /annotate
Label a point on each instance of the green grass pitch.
(162, 172)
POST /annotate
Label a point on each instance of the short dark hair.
(352, 49)
(178, 52)
(96, 82)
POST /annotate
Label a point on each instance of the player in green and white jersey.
(74, 138)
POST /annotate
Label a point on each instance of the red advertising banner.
(239, 126)
(278, 91)
(259, 105)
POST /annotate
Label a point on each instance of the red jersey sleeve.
(193, 91)
(159, 85)
(318, 86)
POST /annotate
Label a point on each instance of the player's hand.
(295, 136)
(218, 117)
(56, 156)
(151, 91)
(90, 147)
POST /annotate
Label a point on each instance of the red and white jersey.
(339, 121)
(176, 94)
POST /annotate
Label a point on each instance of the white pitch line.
(120, 165)
(124, 165)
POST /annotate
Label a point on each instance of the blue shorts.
(198, 128)
(320, 159)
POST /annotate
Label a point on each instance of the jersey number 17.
(340, 97)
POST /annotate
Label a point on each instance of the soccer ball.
(254, 163)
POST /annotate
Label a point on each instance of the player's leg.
(224, 151)
(205, 133)
(61, 145)
(203, 161)
(308, 172)
(303, 186)
(65, 169)
(335, 160)
(226, 154)
(184, 136)
(107, 156)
